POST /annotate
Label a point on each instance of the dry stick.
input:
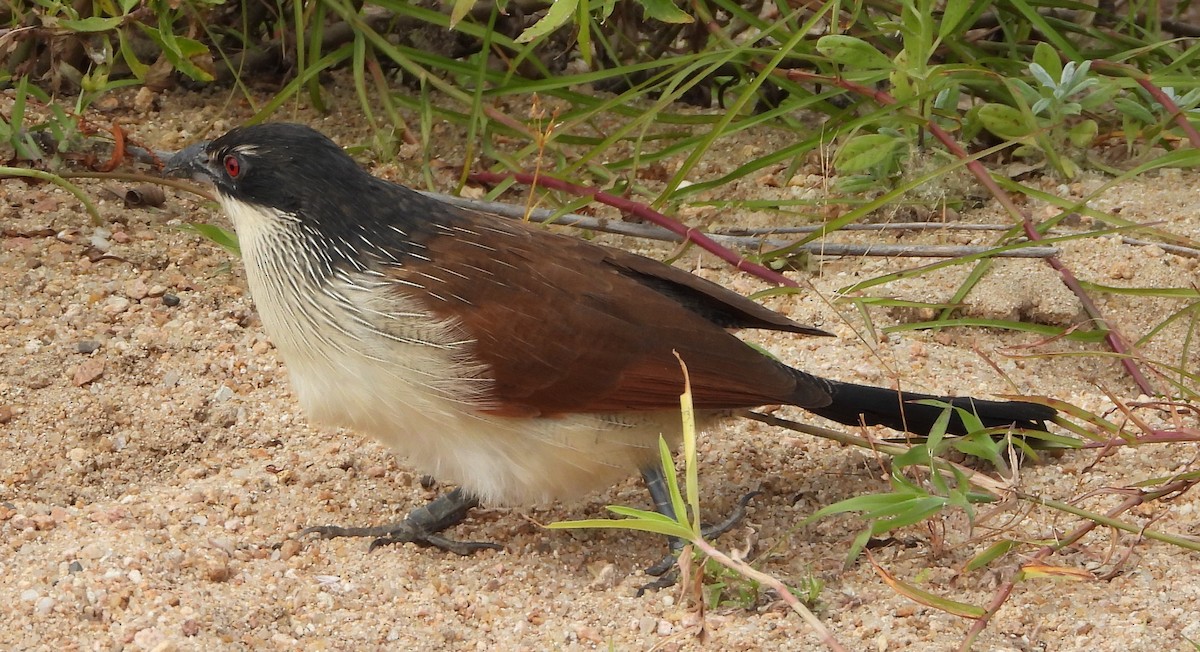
(1006, 589)
(1116, 341)
(644, 212)
(653, 232)
(1151, 437)
(745, 237)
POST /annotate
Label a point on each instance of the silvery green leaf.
(1039, 73)
(1068, 74)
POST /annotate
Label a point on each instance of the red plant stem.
(1167, 103)
(1116, 341)
(645, 212)
(1143, 80)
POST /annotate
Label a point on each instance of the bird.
(521, 365)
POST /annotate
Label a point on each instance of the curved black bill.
(191, 162)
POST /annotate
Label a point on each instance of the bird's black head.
(280, 165)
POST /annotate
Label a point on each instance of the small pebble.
(89, 371)
(288, 549)
(170, 300)
(136, 289)
(99, 243)
(117, 305)
(92, 551)
(87, 346)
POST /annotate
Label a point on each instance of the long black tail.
(857, 404)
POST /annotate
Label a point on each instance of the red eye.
(232, 166)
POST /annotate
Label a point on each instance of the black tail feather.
(858, 404)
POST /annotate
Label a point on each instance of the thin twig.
(654, 232)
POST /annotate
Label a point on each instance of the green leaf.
(864, 152)
(92, 24)
(1004, 121)
(460, 10)
(179, 51)
(1082, 134)
(852, 52)
(135, 65)
(869, 503)
(917, 455)
(981, 445)
(665, 11)
(952, 15)
(227, 239)
(1046, 56)
(1170, 293)
(908, 513)
(924, 597)
(691, 465)
(560, 12)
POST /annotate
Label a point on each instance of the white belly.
(500, 460)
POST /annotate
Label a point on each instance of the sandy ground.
(155, 468)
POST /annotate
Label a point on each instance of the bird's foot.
(666, 570)
(422, 527)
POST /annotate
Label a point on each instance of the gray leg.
(421, 526)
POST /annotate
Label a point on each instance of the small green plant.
(1048, 117)
(686, 526)
(23, 133)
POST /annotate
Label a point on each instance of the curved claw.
(421, 527)
(664, 580)
(431, 540)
